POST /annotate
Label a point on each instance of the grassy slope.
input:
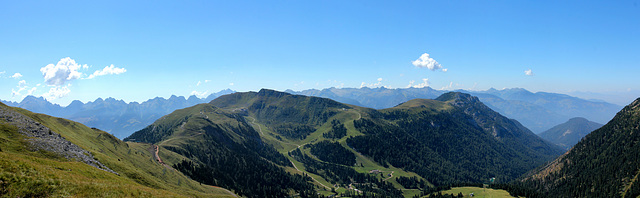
(285, 145)
(478, 192)
(140, 174)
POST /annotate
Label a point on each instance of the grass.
(478, 192)
(347, 117)
(24, 173)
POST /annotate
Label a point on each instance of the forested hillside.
(271, 143)
(603, 164)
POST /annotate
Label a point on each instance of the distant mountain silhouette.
(114, 116)
(537, 111)
(569, 133)
(604, 163)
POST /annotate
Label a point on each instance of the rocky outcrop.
(41, 137)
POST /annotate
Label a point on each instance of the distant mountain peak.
(578, 119)
(458, 98)
(271, 93)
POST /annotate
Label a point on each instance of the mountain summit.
(569, 133)
(255, 136)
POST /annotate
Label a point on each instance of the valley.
(271, 144)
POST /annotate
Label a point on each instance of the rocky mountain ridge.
(43, 138)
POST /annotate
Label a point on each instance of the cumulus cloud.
(528, 72)
(199, 94)
(16, 75)
(377, 84)
(200, 82)
(57, 92)
(448, 87)
(108, 70)
(65, 70)
(428, 62)
(425, 83)
(22, 86)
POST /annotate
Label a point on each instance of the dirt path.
(259, 127)
(359, 115)
(155, 154)
(253, 122)
(390, 176)
(314, 179)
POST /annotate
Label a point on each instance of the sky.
(138, 50)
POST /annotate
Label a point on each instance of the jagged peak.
(33, 98)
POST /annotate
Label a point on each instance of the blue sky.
(142, 49)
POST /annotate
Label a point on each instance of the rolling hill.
(271, 143)
(569, 133)
(44, 156)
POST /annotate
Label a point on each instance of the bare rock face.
(41, 137)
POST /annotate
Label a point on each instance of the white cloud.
(22, 86)
(65, 70)
(108, 70)
(231, 84)
(448, 87)
(377, 84)
(445, 70)
(57, 92)
(200, 82)
(428, 62)
(30, 92)
(16, 75)
(425, 83)
(528, 72)
(199, 94)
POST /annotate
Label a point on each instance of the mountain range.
(259, 143)
(276, 144)
(537, 111)
(114, 116)
(569, 133)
